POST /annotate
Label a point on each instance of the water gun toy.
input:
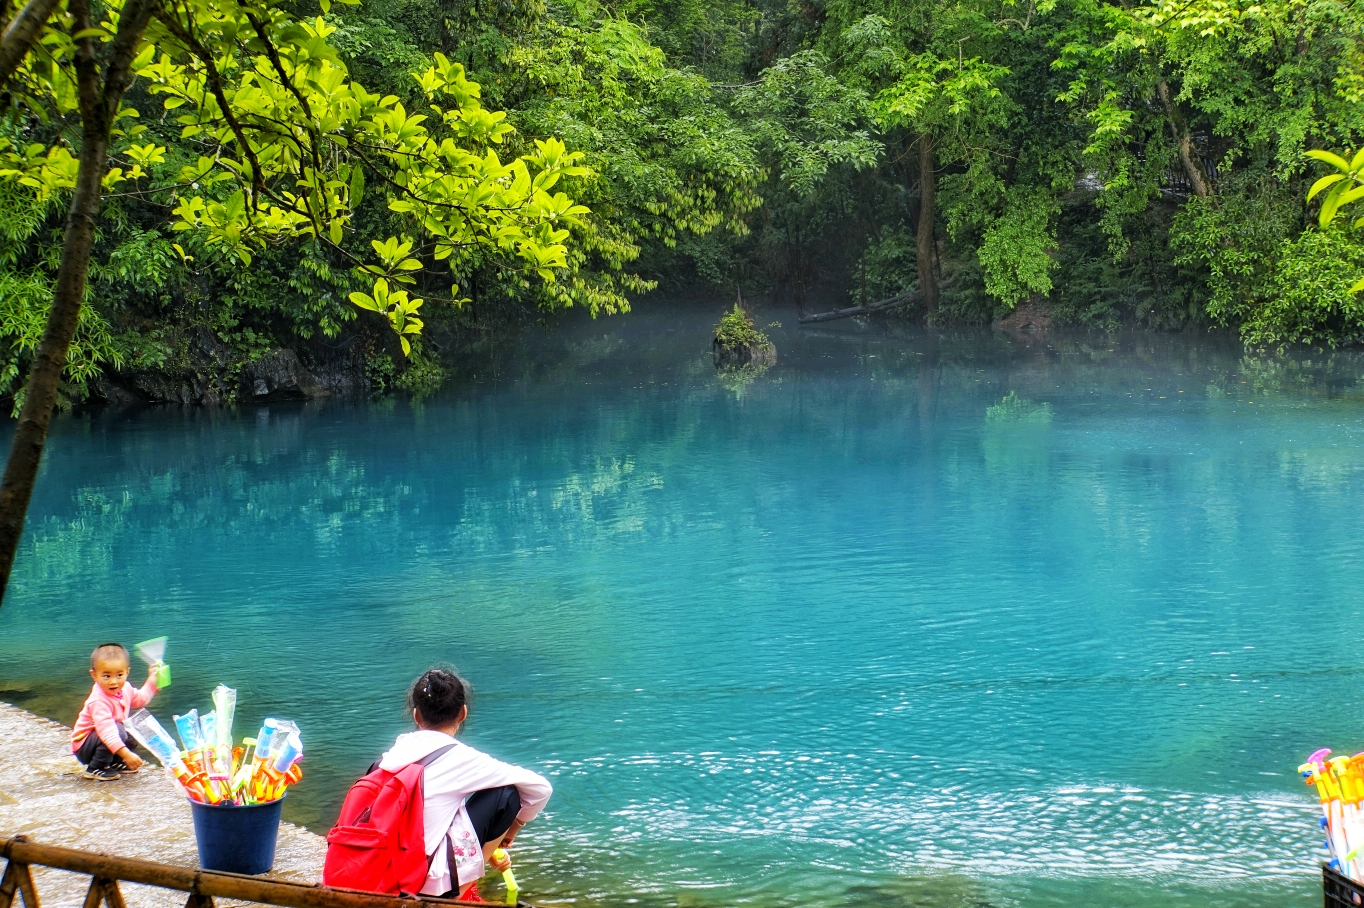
(1339, 783)
(509, 878)
(209, 768)
(153, 652)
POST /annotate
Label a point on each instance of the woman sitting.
(474, 804)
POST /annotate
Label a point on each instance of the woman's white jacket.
(447, 784)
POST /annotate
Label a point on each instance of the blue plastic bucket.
(237, 839)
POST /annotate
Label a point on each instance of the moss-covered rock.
(739, 343)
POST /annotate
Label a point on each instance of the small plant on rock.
(736, 330)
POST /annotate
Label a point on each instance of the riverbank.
(43, 796)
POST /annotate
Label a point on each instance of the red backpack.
(379, 842)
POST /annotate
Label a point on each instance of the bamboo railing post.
(19, 876)
(112, 896)
(9, 884)
(95, 894)
(26, 887)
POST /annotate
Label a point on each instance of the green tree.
(286, 145)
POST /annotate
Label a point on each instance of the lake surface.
(857, 631)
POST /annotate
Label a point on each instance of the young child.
(99, 739)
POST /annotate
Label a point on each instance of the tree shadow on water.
(51, 697)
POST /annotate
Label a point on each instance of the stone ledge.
(43, 796)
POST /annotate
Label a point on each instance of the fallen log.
(852, 311)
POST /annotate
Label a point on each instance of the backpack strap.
(424, 762)
(436, 754)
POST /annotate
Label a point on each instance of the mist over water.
(859, 631)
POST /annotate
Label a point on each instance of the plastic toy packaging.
(208, 729)
(225, 705)
(191, 732)
(210, 769)
(143, 726)
(153, 652)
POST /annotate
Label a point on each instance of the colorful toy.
(153, 652)
(210, 769)
(1340, 792)
(513, 891)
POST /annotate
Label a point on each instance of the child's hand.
(133, 761)
(151, 672)
(500, 861)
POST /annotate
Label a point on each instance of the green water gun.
(153, 652)
(508, 877)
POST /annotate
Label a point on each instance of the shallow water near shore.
(858, 631)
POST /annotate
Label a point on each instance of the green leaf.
(1334, 160)
(364, 301)
(1352, 195)
(357, 186)
(1330, 204)
(1323, 183)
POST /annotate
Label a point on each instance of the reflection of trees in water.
(576, 457)
(1334, 375)
(736, 379)
(215, 481)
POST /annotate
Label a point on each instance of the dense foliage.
(451, 170)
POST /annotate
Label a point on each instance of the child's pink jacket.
(102, 709)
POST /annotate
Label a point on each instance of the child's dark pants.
(95, 755)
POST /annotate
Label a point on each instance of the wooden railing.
(203, 886)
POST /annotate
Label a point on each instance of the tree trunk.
(40, 393)
(99, 104)
(1188, 155)
(21, 33)
(924, 238)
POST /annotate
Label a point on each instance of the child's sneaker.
(120, 766)
(102, 775)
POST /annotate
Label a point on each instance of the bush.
(1311, 302)
(736, 329)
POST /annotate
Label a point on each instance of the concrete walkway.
(43, 796)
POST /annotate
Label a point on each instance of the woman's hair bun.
(438, 696)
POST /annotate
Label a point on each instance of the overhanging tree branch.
(21, 34)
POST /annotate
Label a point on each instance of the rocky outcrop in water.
(279, 375)
(208, 372)
(1030, 320)
(739, 355)
(738, 342)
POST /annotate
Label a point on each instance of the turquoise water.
(843, 634)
